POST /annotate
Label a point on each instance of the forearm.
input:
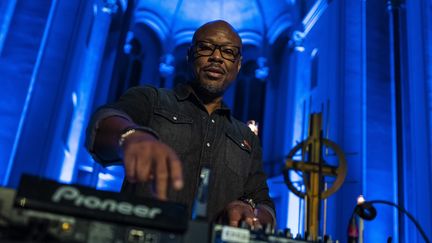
(108, 122)
(106, 141)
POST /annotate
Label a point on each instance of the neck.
(210, 101)
(214, 105)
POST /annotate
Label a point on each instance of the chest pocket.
(238, 154)
(174, 128)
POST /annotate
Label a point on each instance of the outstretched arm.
(116, 133)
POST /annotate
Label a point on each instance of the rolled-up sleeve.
(93, 126)
(136, 105)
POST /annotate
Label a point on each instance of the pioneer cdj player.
(43, 210)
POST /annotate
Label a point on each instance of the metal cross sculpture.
(314, 169)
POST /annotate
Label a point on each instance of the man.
(165, 137)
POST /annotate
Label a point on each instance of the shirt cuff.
(94, 124)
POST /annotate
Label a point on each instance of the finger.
(161, 177)
(249, 221)
(234, 216)
(143, 167)
(256, 224)
(176, 171)
(248, 217)
(129, 161)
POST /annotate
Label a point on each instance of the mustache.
(215, 67)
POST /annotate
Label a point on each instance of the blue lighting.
(65, 58)
(85, 88)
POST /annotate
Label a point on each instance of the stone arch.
(278, 27)
(149, 55)
(154, 22)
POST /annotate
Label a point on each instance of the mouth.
(214, 72)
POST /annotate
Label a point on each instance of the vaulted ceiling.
(174, 21)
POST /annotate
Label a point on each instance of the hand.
(238, 211)
(147, 159)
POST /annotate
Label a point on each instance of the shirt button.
(174, 118)
(212, 120)
(208, 145)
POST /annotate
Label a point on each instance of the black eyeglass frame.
(215, 46)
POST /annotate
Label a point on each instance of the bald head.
(219, 25)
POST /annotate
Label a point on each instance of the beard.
(215, 88)
(210, 86)
(209, 90)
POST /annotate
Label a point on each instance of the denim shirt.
(217, 141)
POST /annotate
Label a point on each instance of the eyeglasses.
(230, 53)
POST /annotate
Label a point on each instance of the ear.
(189, 56)
(239, 63)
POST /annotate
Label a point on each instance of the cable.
(366, 211)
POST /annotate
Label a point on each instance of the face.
(215, 70)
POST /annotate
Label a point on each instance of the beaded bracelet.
(131, 130)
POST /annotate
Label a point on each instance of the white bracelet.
(133, 129)
(125, 134)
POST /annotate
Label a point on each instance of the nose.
(216, 56)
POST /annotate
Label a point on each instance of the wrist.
(133, 134)
(132, 131)
(249, 201)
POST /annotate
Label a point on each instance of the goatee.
(207, 92)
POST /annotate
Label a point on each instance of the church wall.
(19, 54)
(57, 69)
(418, 137)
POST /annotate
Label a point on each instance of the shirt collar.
(184, 91)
